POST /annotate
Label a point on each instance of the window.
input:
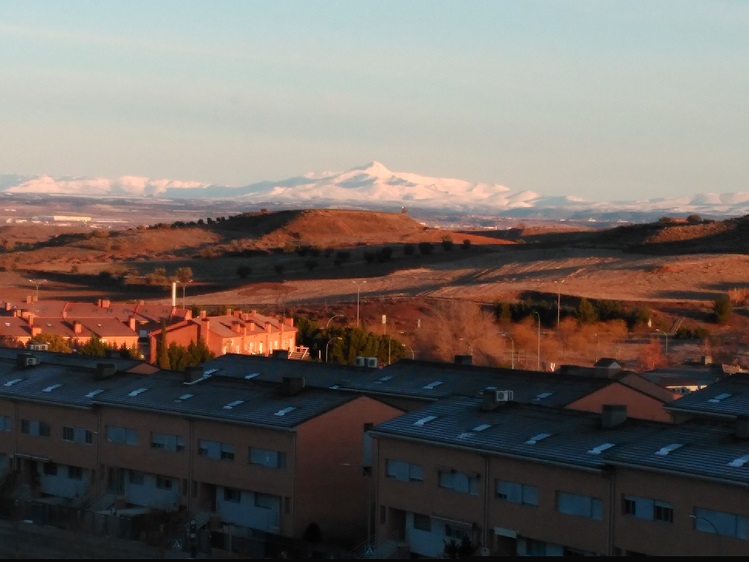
(232, 495)
(50, 469)
(646, 508)
(35, 427)
(459, 482)
(171, 443)
(267, 458)
(216, 450)
(121, 435)
(722, 523)
(5, 423)
(582, 506)
(422, 522)
(404, 471)
(163, 483)
(77, 435)
(266, 501)
(75, 473)
(515, 492)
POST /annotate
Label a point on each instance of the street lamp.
(559, 299)
(37, 282)
(665, 334)
(327, 344)
(358, 286)
(183, 284)
(512, 342)
(538, 345)
(331, 319)
(413, 355)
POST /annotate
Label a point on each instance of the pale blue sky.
(606, 100)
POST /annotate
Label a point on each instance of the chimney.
(613, 415)
(291, 385)
(742, 427)
(131, 323)
(77, 327)
(280, 354)
(192, 374)
(8, 306)
(236, 326)
(463, 359)
(105, 303)
(202, 314)
(289, 322)
(36, 330)
(105, 370)
(64, 314)
(29, 299)
(228, 311)
(30, 318)
(268, 327)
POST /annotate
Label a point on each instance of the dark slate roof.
(685, 375)
(71, 380)
(243, 402)
(708, 450)
(422, 380)
(728, 397)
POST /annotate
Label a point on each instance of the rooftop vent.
(464, 359)
(193, 374)
(280, 354)
(105, 370)
(291, 385)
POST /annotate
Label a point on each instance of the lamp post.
(665, 334)
(413, 355)
(331, 319)
(512, 343)
(327, 344)
(183, 284)
(559, 300)
(358, 286)
(37, 282)
(538, 345)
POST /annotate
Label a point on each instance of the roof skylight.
(184, 397)
(94, 392)
(12, 382)
(433, 385)
(739, 462)
(285, 411)
(663, 451)
(536, 438)
(720, 397)
(234, 404)
(482, 427)
(543, 395)
(251, 376)
(425, 420)
(137, 391)
(601, 448)
(52, 387)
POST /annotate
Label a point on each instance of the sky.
(600, 99)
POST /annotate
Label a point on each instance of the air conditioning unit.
(372, 362)
(503, 395)
(359, 362)
(39, 346)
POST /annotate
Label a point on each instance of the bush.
(466, 244)
(425, 248)
(244, 271)
(408, 249)
(722, 309)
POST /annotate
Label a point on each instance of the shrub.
(425, 248)
(722, 309)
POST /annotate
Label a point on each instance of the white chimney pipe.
(174, 293)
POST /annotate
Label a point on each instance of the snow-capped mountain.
(374, 186)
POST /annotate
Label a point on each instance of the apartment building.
(280, 459)
(247, 333)
(511, 478)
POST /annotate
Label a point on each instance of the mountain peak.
(373, 168)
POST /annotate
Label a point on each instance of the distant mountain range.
(375, 187)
